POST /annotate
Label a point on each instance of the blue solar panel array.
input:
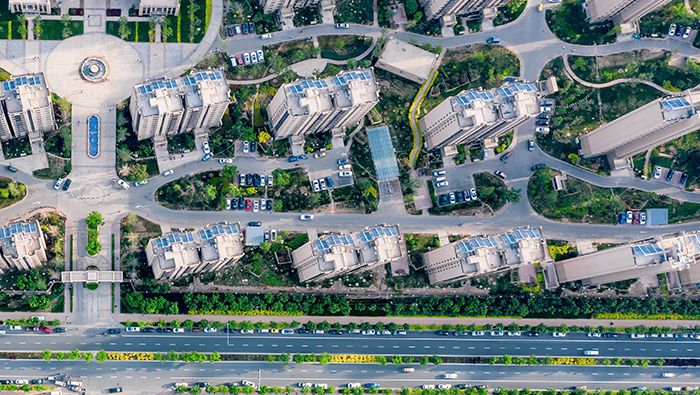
(377, 231)
(215, 230)
(19, 227)
(472, 244)
(330, 241)
(509, 90)
(521, 233)
(19, 81)
(674, 103)
(172, 238)
(342, 79)
(469, 96)
(646, 249)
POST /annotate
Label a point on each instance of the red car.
(248, 205)
(635, 220)
(46, 329)
(239, 59)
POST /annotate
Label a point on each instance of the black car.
(679, 30)
(5, 382)
(542, 122)
(249, 179)
(669, 176)
(66, 184)
(684, 178)
(244, 28)
(459, 196)
(11, 169)
(538, 166)
(114, 331)
(443, 200)
(253, 147)
(36, 381)
(335, 332)
(148, 329)
(442, 333)
(268, 205)
(254, 223)
(303, 331)
(542, 115)
(505, 156)
(116, 390)
(59, 330)
(234, 204)
(610, 335)
(251, 27)
(256, 180)
(201, 384)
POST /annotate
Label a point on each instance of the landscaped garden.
(583, 202)
(130, 30)
(12, 26)
(578, 112)
(136, 159)
(135, 232)
(658, 66)
(493, 192)
(343, 47)
(416, 245)
(16, 148)
(58, 144)
(657, 23)
(292, 191)
(203, 191)
(363, 195)
(310, 15)
(49, 29)
(570, 23)
(354, 11)
(509, 12)
(11, 192)
(93, 222)
(277, 58)
(417, 21)
(681, 154)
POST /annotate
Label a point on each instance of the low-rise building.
(25, 108)
(30, 6)
(474, 256)
(620, 11)
(177, 254)
(672, 255)
(435, 9)
(22, 246)
(159, 7)
(406, 60)
(313, 106)
(651, 125)
(474, 115)
(164, 107)
(335, 254)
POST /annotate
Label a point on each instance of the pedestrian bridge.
(92, 276)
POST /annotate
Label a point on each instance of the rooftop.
(383, 153)
(406, 60)
(171, 95)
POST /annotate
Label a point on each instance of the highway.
(413, 344)
(158, 377)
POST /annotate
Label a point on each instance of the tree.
(381, 360)
(94, 219)
(39, 302)
(411, 7)
(21, 20)
(265, 246)
(281, 177)
(101, 356)
(139, 172)
(67, 26)
(124, 33)
(210, 192)
(229, 172)
(46, 355)
(214, 357)
(574, 159)
(166, 29)
(88, 357)
(37, 27)
(264, 137)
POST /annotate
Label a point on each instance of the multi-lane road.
(416, 343)
(158, 377)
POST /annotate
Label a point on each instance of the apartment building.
(25, 108)
(475, 256)
(336, 254)
(212, 248)
(474, 115)
(653, 124)
(674, 255)
(158, 7)
(314, 106)
(22, 246)
(270, 6)
(166, 107)
(435, 9)
(620, 11)
(30, 6)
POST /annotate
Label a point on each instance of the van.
(591, 352)
(408, 370)
(440, 179)
(11, 168)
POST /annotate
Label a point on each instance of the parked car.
(246, 58)
(205, 147)
(168, 172)
(500, 174)
(621, 218)
(630, 217)
(254, 57)
(116, 390)
(123, 184)
(683, 179)
(316, 185)
(342, 26)
(538, 166)
(558, 334)
(687, 31)
(505, 157)
(441, 184)
(226, 160)
(438, 173)
(261, 56)
(642, 218)
(542, 122)
(472, 193)
(11, 169)
(669, 175)
(255, 223)
(657, 172)
(347, 173)
(206, 157)
(542, 129)
(672, 30)
(66, 184)
(57, 184)
(306, 217)
(266, 36)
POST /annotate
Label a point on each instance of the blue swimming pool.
(93, 136)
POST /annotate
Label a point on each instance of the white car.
(246, 58)
(514, 333)
(139, 183)
(57, 184)
(133, 329)
(205, 148)
(478, 333)
(496, 333)
(346, 166)
(304, 385)
(444, 386)
(442, 184)
(321, 385)
(254, 57)
(428, 386)
(354, 385)
(672, 30)
(449, 376)
(168, 172)
(657, 172)
(123, 184)
(345, 173)
(472, 193)
(594, 334)
(209, 330)
(261, 56)
(247, 383)
(178, 330)
(542, 129)
(687, 31)
(256, 206)
(368, 332)
(306, 217)
(246, 147)
(316, 185)
(638, 336)
(226, 160)
(559, 334)
(15, 327)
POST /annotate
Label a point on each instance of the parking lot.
(456, 178)
(326, 165)
(677, 178)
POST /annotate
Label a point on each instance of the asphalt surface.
(158, 377)
(413, 344)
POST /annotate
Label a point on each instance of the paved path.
(414, 111)
(572, 75)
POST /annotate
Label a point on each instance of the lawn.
(59, 30)
(277, 58)
(10, 24)
(181, 143)
(133, 31)
(509, 12)
(343, 47)
(202, 191)
(192, 20)
(583, 202)
(135, 232)
(354, 11)
(569, 23)
(655, 66)
(481, 66)
(58, 148)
